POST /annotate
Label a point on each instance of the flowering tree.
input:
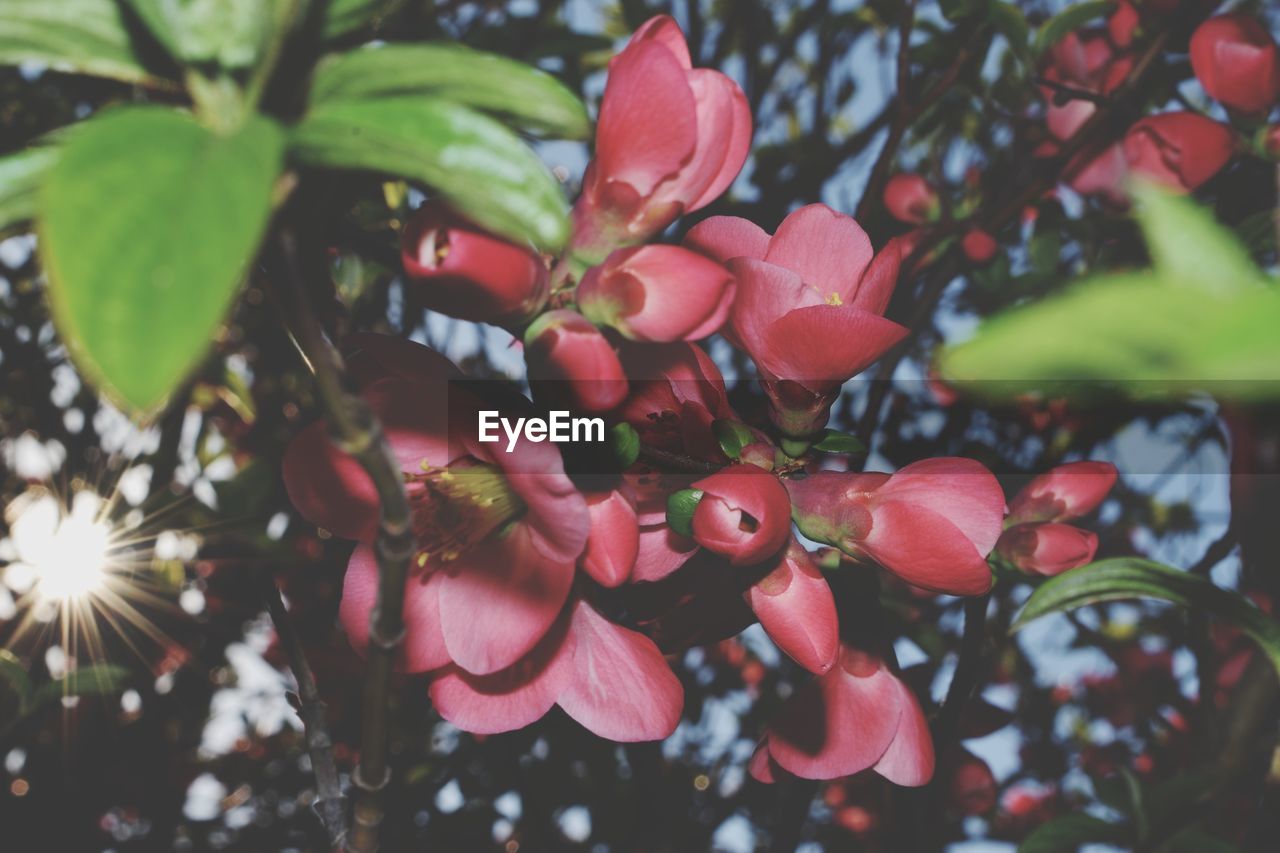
(816, 557)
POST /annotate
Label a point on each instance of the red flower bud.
(1180, 150)
(1123, 23)
(570, 360)
(1065, 492)
(744, 514)
(1047, 549)
(658, 293)
(971, 788)
(1237, 62)
(468, 273)
(910, 198)
(979, 246)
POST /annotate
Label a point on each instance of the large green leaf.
(531, 99)
(1187, 245)
(484, 170)
(148, 222)
(20, 176)
(78, 36)
(1067, 834)
(230, 33)
(1130, 577)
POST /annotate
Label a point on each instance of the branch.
(330, 805)
(668, 461)
(355, 430)
(965, 679)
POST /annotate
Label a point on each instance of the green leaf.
(1067, 834)
(228, 33)
(76, 36)
(482, 169)
(1130, 577)
(1012, 24)
(101, 679)
(345, 16)
(625, 442)
(680, 507)
(733, 436)
(15, 674)
(1198, 841)
(531, 99)
(1188, 245)
(148, 222)
(1069, 20)
(20, 176)
(834, 441)
(1142, 333)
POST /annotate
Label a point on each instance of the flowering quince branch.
(330, 804)
(356, 431)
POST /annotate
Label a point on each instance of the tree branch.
(355, 430)
(330, 805)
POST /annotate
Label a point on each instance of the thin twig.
(330, 805)
(965, 680)
(668, 461)
(355, 430)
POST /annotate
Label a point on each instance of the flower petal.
(723, 238)
(829, 250)
(925, 549)
(423, 647)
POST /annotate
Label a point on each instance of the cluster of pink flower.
(529, 584)
(1237, 63)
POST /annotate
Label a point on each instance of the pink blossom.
(796, 609)
(1063, 493)
(571, 362)
(933, 523)
(809, 305)
(1237, 62)
(1047, 548)
(744, 514)
(910, 198)
(657, 293)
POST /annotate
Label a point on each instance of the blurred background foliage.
(1134, 724)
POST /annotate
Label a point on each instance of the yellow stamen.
(458, 507)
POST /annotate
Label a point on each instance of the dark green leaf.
(345, 16)
(625, 442)
(1198, 841)
(148, 221)
(733, 436)
(77, 36)
(100, 679)
(1069, 20)
(482, 169)
(20, 176)
(680, 507)
(834, 441)
(531, 99)
(1012, 24)
(15, 675)
(1067, 834)
(1130, 577)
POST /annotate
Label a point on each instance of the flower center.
(833, 298)
(457, 507)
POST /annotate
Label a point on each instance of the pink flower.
(809, 305)
(1237, 62)
(1065, 492)
(1089, 62)
(614, 540)
(465, 272)
(1179, 150)
(657, 293)
(498, 533)
(1047, 548)
(1123, 24)
(612, 680)
(910, 198)
(570, 361)
(933, 523)
(670, 139)
(858, 715)
(979, 246)
(796, 609)
(744, 514)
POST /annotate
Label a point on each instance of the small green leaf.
(532, 99)
(229, 33)
(1130, 577)
(148, 222)
(1188, 245)
(834, 441)
(1067, 834)
(680, 507)
(20, 176)
(625, 442)
(344, 16)
(76, 36)
(1069, 20)
(482, 169)
(100, 679)
(733, 436)
(1012, 24)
